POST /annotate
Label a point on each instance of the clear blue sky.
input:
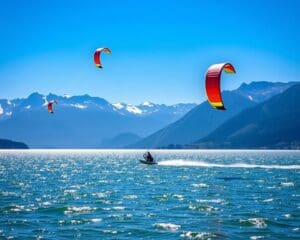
(160, 49)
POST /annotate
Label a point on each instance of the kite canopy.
(97, 55)
(213, 85)
(50, 106)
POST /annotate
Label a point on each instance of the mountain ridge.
(79, 121)
(270, 124)
(203, 119)
(9, 144)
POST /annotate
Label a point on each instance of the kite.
(50, 106)
(97, 55)
(213, 85)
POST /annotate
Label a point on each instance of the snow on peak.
(28, 107)
(67, 96)
(250, 97)
(45, 101)
(8, 113)
(147, 104)
(1, 110)
(77, 105)
(134, 109)
(118, 105)
(8, 102)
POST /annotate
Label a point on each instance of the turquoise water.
(188, 195)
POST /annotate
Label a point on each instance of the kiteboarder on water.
(148, 157)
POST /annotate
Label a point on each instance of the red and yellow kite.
(213, 86)
(50, 106)
(97, 55)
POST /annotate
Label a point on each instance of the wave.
(82, 209)
(198, 235)
(256, 222)
(181, 162)
(167, 226)
(287, 184)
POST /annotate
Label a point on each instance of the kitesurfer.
(148, 157)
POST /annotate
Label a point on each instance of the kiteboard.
(147, 162)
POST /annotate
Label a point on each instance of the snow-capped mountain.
(149, 108)
(80, 121)
(38, 101)
(261, 91)
(6, 108)
(203, 119)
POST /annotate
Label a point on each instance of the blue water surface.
(108, 194)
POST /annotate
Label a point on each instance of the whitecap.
(75, 222)
(268, 200)
(19, 208)
(257, 222)
(118, 208)
(210, 200)
(130, 197)
(287, 184)
(110, 231)
(163, 197)
(256, 237)
(95, 220)
(47, 203)
(203, 208)
(199, 185)
(79, 209)
(121, 216)
(100, 194)
(70, 191)
(167, 226)
(179, 196)
(197, 235)
(6, 194)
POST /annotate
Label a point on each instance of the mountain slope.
(120, 141)
(203, 119)
(198, 122)
(271, 124)
(8, 144)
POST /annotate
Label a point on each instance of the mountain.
(6, 108)
(261, 91)
(120, 141)
(271, 124)
(80, 121)
(203, 119)
(8, 144)
(198, 122)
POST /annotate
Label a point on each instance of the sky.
(160, 49)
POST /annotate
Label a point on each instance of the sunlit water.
(188, 195)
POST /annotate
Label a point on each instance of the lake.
(190, 194)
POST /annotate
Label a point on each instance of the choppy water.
(188, 195)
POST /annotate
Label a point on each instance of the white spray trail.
(181, 162)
